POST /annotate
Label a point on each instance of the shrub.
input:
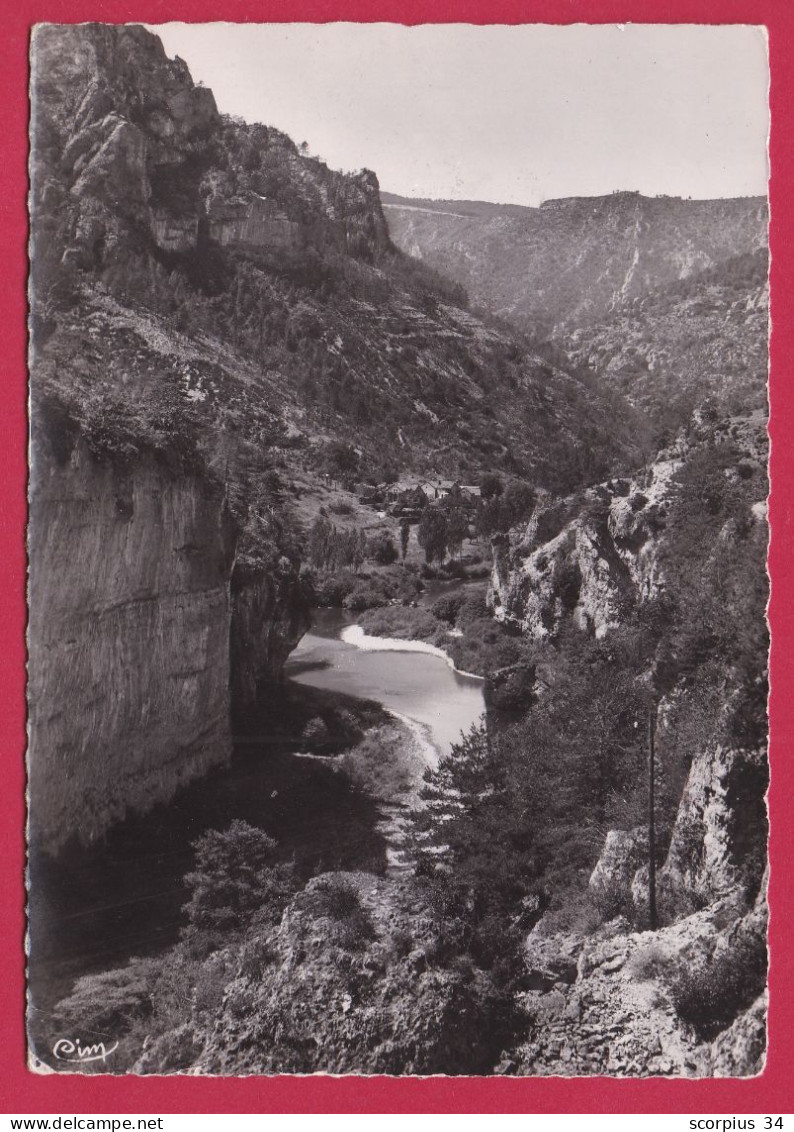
(567, 581)
(382, 550)
(342, 900)
(402, 622)
(235, 878)
(710, 991)
(364, 597)
(340, 507)
(447, 608)
(110, 1002)
(331, 590)
(339, 900)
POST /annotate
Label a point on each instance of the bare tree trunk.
(652, 818)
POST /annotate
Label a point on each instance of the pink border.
(24, 1092)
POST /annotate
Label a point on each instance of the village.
(407, 499)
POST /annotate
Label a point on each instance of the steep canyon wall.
(129, 632)
(131, 619)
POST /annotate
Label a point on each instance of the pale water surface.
(422, 686)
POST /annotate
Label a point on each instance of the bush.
(339, 900)
(447, 608)
(365, 597)
(330, 591)
(110, 1002)
(340, 507)
(710, 992)
(382, 550)
(235, 879)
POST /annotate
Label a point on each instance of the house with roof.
(437, 489)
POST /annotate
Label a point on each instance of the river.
(418, 685)
(95, 907)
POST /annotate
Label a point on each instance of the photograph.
(398, 475)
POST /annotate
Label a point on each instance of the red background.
(25, 1092)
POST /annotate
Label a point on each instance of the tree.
(319, 544)
(432, 534)
(405, 534)
(491, 486)
(341, 459)
(236, 876)
(457, 529)
(518, 502)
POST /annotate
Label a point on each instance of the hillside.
(703, 337)
(570, 262)
(276, 282)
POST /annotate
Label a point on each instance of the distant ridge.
(570, 262)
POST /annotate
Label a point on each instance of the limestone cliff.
(142, 634)
(121, 138)
(129, 639)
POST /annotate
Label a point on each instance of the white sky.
(508, 114)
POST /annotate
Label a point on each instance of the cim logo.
(67, 1050)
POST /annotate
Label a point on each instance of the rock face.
(686, 1000)
(570, 262)
(269, 617)
(586, 557)
(719, 839)
(142, 634)
(129, 640)
(132, 127)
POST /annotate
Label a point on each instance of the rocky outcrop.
(591, 556)
(128, 128)
(719, 838)
(717, 848)
(620, 1013)
(346, 982)
(116, 125)
(129, 640)
(624, 854)
(684, 1000)
(253, 223)
(270, 614)
(584, 557)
